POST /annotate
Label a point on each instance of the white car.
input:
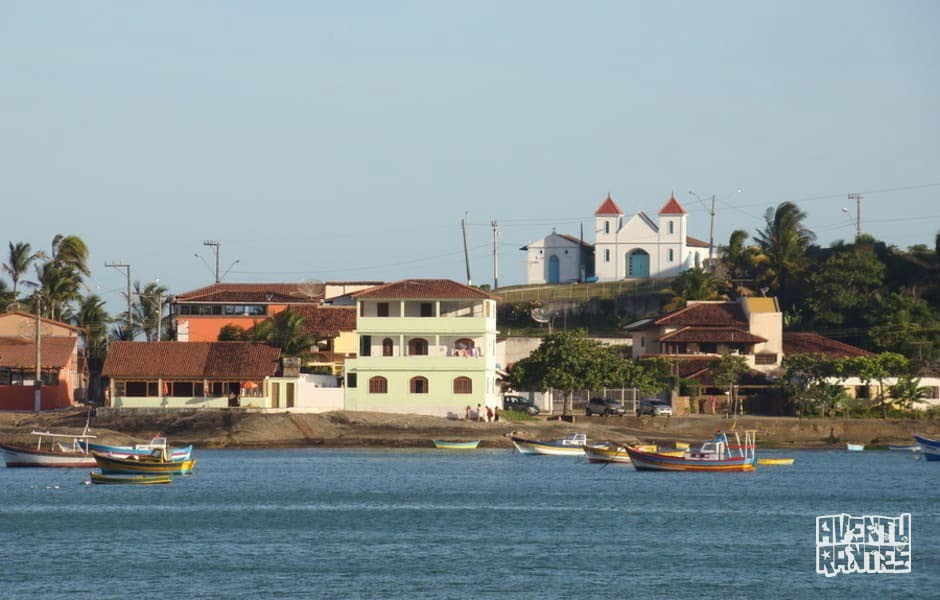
(655, 408)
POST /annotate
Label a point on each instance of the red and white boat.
(52, 450)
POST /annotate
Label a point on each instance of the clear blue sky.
(345, 140)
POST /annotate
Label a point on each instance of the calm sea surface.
(449, 524)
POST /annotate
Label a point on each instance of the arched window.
(671, 230)
(419, 385)
(418, 347)
(606, 226)
(378, 385)
(388, 347)
(464, 347)
(463, 385)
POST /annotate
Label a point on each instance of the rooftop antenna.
(310, 288)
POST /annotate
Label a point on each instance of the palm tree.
(59, 287)
(286, 330)
(694, 284)
(783, 242)
(93, 319)
(19, 259)
(70, 251)
(739, 263)
(146, 308)
(6, 296)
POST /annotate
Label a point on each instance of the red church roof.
(609, 207)
(672, 207)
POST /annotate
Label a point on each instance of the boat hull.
(102, 479)
(111, 466)
(129, 451)
(445, 445)
(533, 447)
(606, 453)
(650, 461)
(931, 448)
(855, 447)
(27, 457)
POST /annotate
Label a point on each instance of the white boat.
(157, 443)
(52, 450)
(570, 445)
(854, 447)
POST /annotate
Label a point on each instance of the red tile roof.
(328, 321)
(813, 343)
(695, 242)
(672, 207)
(713, 314)
(712, 334)
(54, 352)
(609, 207)
(254, 293)
(191, 360)
(425, 289)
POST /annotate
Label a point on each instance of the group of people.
(483, 414)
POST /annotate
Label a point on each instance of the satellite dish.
(539, 315)
(311, 288)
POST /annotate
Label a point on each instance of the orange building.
(58, 359)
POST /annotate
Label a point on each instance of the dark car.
(520, 404)
(603, 406)
(655, 407)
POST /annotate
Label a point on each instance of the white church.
(637, 248)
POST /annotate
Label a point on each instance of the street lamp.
(858, 229)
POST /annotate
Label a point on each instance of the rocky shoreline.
(344, 429)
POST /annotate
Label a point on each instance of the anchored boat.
(606, 452)
(724, 452)
(52, 450)
(143, 465)
(930, 447)
(157, 443)
(100, 478)
(447, 445)
(570, 445)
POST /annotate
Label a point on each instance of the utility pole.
(218, 252)
(858, 214)
(466, 256)
(130, 314)
(495, 255)
(37, 384)
(711, 236)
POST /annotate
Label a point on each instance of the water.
(438, 524)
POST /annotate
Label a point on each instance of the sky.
(346, 141)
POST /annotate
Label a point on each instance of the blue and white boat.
(157, 443)
(854, 447)
(570, 445)
(931, 448)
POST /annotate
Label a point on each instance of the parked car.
(603, 406)
(655, 408)
(521, 404)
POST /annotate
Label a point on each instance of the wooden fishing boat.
(774, 461)
(157, 443)
(606, 452)
(143, 465)
(854, 447)
(930, 447)
(52, 450)
(448, 445)
(570, 445)
(718, 454)
(103, 479)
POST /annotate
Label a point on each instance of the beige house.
(60, 368)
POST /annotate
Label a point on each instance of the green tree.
(148, 302)
(739, 262)
(878, 368)
(19, 258)
(844, 285)
(7, 297)
(907, 392)
(727, 371)
(694, 284)
(286, 330)
(232, 333)
(93, 320)
(567, 361)
(70, 251)
(783, 243)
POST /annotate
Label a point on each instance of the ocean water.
(315, 523)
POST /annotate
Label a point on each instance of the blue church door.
(638, 264)
(554, 269)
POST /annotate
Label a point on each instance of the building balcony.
(421, 363)
(468, 326)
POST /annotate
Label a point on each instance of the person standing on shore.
(468, 413)
(496, 414)
(489, 414)
(480, 416)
